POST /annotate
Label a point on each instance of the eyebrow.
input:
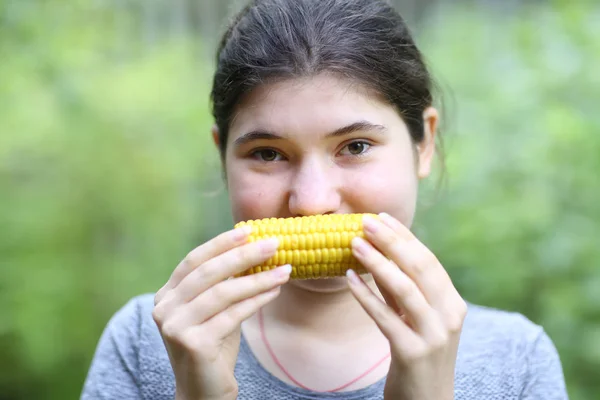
(359, 126)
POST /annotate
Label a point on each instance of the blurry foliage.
(108, 176)
(104, 166)
(519, 224)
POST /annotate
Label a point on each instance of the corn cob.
(316, 246)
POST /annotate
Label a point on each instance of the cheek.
(253, 196)
(388, 185)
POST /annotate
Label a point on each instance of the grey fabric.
(501, 356)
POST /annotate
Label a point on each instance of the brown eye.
(357, 148)
(267, 155)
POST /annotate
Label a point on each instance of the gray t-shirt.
(501, 356)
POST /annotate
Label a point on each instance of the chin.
(326, 285)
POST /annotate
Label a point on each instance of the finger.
(414, 258)
(227, 293)
(396, 226)
(402, 289)
(212, 248)
(389, 299)
(223, 266)
(391, 302)
(421, 265)
(228, 321)
(390, 324)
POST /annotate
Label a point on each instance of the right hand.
(199, 311)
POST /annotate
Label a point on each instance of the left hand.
(423, 341)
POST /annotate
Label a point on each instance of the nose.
(314, 189)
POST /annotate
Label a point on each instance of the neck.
(324, 317)
(317, 307)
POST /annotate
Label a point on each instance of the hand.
(199, 311)
(424, 340)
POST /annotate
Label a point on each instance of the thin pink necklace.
(285, 371)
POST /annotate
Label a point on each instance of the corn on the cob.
(316, 246)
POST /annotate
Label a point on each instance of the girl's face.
(321, 145)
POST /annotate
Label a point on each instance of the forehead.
(315, 104)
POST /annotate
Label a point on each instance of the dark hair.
(365, 41)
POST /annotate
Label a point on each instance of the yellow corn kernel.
(317, 246)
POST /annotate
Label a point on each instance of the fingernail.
(269, 245)
(283, 271)
(384, 215)
(387, 219)
(242, 232)
(369, 224)
(359, 245)
(352, 277)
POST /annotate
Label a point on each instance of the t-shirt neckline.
(272, 380)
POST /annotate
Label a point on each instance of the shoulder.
(119, 367)
(134, 309)
(505, 349)
(137, 306)
(134, 331)
(131, 329)
(129, 321)
(491, 323)
(494, 333)
(133, 322)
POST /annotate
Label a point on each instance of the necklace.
(284, 370)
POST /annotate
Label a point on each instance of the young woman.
(320, 107)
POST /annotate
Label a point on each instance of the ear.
(217, 141)
(426, 149)
(215, 135)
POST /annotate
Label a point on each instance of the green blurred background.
(108, 176)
